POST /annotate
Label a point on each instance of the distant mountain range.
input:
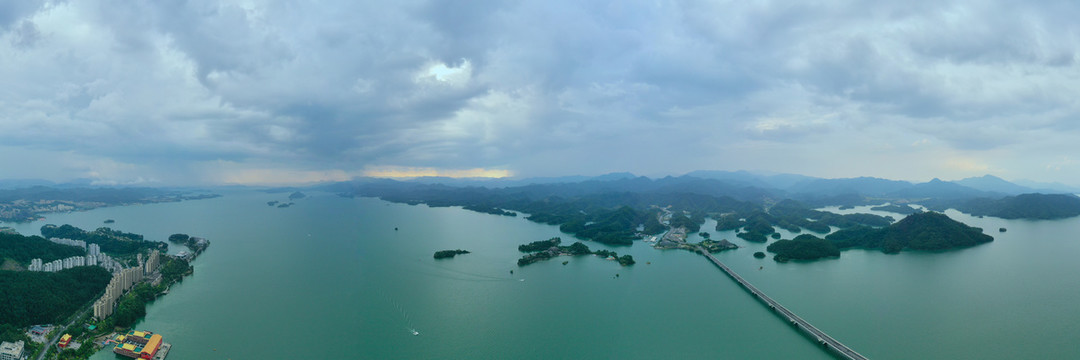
(747, 185)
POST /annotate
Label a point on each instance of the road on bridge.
(805, 326)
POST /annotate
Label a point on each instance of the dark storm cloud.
(540, 88)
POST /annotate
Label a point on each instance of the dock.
(163, 352)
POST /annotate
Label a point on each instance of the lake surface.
(330, 278)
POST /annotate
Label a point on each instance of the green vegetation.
(803, 247)
(173, 269)
(114, 242)
(652, 225)
(22, 249)
(195, 244)
(547, 249)
(728, 222)
(752, 237)
(602, 214)
(895, 208)
(759, 255)
(132, 306)
(713, 246)
(443, 254)
(297, 195)
(540, 245)
(920, 231)
(489, 210)
(692, 223)
(616, 227)
(1026, 206)
(44, 297)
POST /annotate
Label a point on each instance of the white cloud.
(544, 88)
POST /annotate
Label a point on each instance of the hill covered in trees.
(22, 249)
(1025, 206)
(45, 297)
(111, 241)
(921, 231)
(803, 247)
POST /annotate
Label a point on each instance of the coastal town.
(95, 326)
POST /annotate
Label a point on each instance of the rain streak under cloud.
(250, 92)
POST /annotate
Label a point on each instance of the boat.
(414, 332)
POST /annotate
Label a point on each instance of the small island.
(894, 208)
(297, 195)
(547, 249)
(803, 247)
(109, 221)
(759, 255)
(443, 254)
(1002, 230)
(272, 203)
(285, 205)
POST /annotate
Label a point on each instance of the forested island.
(803, 247)
(920, 231)
(896, 208)
(547, 249)
(444, 254)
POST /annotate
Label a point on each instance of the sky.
(205, 92)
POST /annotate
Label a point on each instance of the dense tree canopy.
(24, 248)
(111, 241)
(803, 247)
(45, 297)
(920, 231)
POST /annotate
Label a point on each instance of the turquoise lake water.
(330, 278)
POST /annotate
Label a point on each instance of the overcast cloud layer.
(210, 92)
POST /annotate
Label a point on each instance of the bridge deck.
(822, 338)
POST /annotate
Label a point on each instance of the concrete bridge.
(814, 333)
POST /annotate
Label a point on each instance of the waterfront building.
(153, 262)
(138, 344)
(11, 350)
(103, 307)
(121, 282)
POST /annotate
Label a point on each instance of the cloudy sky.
(254, 92)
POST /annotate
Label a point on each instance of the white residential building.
(11, 351)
